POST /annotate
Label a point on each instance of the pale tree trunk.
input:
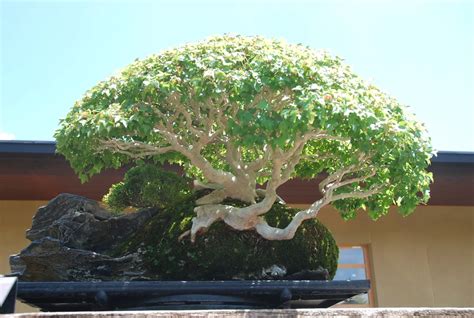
(240, 184)
(252, 217)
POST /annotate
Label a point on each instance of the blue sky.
(421, 52)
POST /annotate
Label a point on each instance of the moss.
(220, 253)
(147, 185)
(224, 253)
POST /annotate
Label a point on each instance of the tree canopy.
(237, 112)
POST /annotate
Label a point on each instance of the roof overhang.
(31, 170)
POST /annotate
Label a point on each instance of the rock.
(319, 274)
(73, 239)
(47, 259)
(82, 223)
(273, 272)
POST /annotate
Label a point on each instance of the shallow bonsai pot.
(176, 295)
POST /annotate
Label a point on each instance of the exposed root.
(182, 236)
(215, 197)
(236, 218)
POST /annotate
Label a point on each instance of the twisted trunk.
(240, 181)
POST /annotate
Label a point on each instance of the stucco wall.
(15, 219)
(424, 260)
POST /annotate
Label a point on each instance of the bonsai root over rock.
(74, 239)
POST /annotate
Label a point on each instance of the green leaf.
(268, 93)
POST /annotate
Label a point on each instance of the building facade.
(423, 260)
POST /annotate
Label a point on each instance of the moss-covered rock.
(224, 253)
(220, 253)
(147, 185)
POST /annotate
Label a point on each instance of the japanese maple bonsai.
(242, 116)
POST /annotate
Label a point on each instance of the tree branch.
(352, 180)
(339, 174)
(134, 149)
(357, 194)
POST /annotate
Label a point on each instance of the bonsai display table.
(171, 295)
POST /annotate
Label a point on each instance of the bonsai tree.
(243, 115)
(223, 253)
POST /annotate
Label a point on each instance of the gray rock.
(73, 239)
(47, 259)
(273, 272)
(318, 274)
(82, 223)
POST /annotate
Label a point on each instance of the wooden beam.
(34, 176)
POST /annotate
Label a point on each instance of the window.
(353, 265)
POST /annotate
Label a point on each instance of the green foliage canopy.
(255, 94)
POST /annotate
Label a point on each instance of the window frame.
(368, 274)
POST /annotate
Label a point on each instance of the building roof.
(49, 148)
(31, 170)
